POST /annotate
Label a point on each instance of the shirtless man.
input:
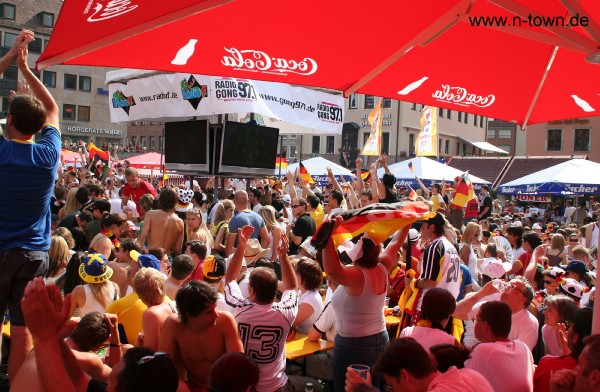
(199, 335)
(122, 264)
(149, 284)
(163, 228)
(88, 336)
(182, 268)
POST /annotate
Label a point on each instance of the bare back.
(196, 351)
(165, 230)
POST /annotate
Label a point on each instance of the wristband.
(115, 345)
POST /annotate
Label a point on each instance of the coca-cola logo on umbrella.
(107, 10)
(257, 61)
(461, 96)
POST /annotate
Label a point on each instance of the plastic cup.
(386, 303)
(500, 285)
(362, 370)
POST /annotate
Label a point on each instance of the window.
(441, 112)
(35, 46)
(387, 103)
(85, 83)
(460, 116)
(369, 101)
(143, 141)
(464, 148)
(49, 78)
(491, 133)
(134, 140)
(152, 144)
(411, 144)
(457, 148)
(316, 143)
(68, 112)
(449, 115)
(11, 73)
(447, 151)
(554, 139)
(330, 144)
(47, 19)
(161, 143)
(83, 113)
(475, 119)
(466, 118)
(353, 101)
(481, 122)
(440, 145)
(505, 147)
(582, 140)
(70, 82)
(504, 133)
(413, 106)
(9, 39)
(8, 11)
(385, 143)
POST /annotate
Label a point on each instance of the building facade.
(507, 136)
(80, 92)
(565, 137)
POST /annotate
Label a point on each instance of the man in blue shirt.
(27, 175)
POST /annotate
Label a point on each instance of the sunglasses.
(296, 205)
(149, 358)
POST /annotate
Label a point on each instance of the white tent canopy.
(577, 176)
(317, 168)
(427, 170)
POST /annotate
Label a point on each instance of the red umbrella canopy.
(151, 160)
(527, 65)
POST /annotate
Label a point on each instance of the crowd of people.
(114, 283)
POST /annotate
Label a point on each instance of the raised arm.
(37, 87)
(423, 187)
(24, 38)
(288, 276)
(291, 185)
(235, 265)
(333, 180)
(344, 275)
(389, 256)
(359, 182)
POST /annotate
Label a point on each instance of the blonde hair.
(201, 232)
(100, 291)
(269, 216)
(558, 242)
(470, 232)
(149, 285)
(71, 205)
(221, 209)
(59, 255)
(66, 234)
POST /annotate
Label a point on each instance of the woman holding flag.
(358, 302)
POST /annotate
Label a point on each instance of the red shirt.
(525, 258)
(137, 193)
(548, 364)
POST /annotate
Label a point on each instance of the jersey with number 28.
(441, 263)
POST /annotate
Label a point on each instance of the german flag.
(412, 194)
(379, 221)
(164, 178)
(463, 191)
(366, 176)
(305, 175)
(95, 151)
(281, 162)
(410, 167)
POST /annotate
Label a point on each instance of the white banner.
(185, 95)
